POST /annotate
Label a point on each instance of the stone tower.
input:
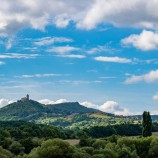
(27, 96)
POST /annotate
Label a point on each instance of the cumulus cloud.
(113, 107)
(147, 40)
(152, 76)
(155, 97)
(135, 13)
(89, 105)
(4, 102)
(63, 49)
(109, 107)
(51, 40)
(48, 101)
(88, 14)
(113, 59)
(37, 14)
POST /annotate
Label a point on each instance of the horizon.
(100, 53)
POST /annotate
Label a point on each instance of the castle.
(25, 98)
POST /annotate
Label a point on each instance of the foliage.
(147, 124)
(104, 131)
(5, 153)
(56, 149)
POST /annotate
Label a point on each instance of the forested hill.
(69, 115)
(70, 108)
(31, 110)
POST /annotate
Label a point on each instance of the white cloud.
(100, 49)
(89, 105)
(63, 49)
(60, 101)
(134, 13)
(78, 82)
(2, 63)
(39, 75)
(109, 107)
(155, 97)
(152, 76)
(113, 59)
(73, 56)
(4, 102)
(17, 56)
(51, 40)
(154, 112)
(48, 101)
(37, 14)
(147, 40)
(113, 107)
(62, 21)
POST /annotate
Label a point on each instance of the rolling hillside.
(68, 115)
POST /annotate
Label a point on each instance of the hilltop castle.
(25, 98)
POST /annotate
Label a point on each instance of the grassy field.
(98, 115)
(73, 141)
(155, 134)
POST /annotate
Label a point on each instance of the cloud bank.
(88, 14)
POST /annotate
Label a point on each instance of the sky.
(101, 53)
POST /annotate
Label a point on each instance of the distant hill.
(31, 110)
(69, 115)
(24, 110)
(70, 108)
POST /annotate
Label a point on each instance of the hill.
(30, 110)
(22, 110)
(70, 108)
(69, 115)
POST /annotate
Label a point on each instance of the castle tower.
(27, 96)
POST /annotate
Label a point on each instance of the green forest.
(20, 139)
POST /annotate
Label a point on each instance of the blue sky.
(88, 53)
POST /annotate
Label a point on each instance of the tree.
(56, 148)
(16, 148)
(153, 152)
(147, 124)
(5, 153)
